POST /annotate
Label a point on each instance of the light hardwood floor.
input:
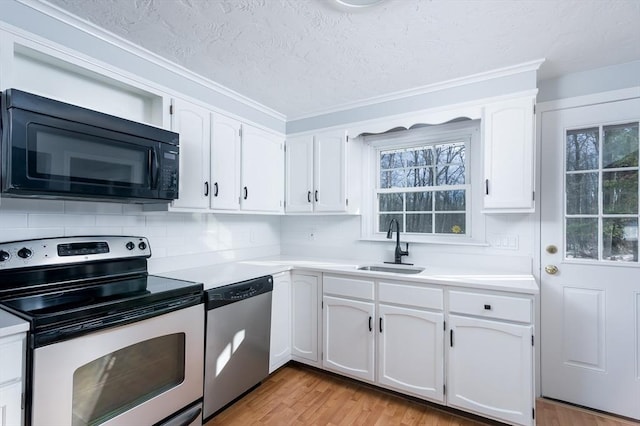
(299, 395)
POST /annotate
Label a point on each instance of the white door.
(590, 278)
(330, 179)
(225, 163)
(262, 171)
(410, 349)
(299, 174)
(192, 122)
(349, 337)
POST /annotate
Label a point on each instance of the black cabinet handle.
(487, 307)
(370, 324)
(215, 189)
(309, 196)
(206, 189)
(451, 337)
(316, 196)
(246, 192)
(486, 186)
(380, 324)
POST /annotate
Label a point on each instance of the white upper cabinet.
(299, 159)
(262, 176)
(192, 122)
(509, 156)
(317, 173)
(225, 163)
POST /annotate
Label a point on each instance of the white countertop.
(217, 275)
(11, 324)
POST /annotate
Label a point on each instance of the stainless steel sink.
(392, 269)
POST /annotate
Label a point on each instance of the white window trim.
(466, 130)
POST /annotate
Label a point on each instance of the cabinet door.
(262, 171)
(280, 347)
(299, 182)
(11, 404)
(410, 349)
(330, 181)
(225, 163)
(348, 343)
(509, 155)
(192, 122)
(490, 369)
(304, 321)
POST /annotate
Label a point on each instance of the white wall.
(338, 237)
(177, 240)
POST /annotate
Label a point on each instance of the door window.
(601, 193)
(123, 379)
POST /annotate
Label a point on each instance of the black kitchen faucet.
(399, 252)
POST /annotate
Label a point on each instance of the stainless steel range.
(109, 344)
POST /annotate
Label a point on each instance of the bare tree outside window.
(424, 187)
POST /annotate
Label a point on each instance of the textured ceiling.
(302, 56)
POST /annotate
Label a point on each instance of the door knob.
(551, 269)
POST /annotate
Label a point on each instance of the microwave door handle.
(155, 167)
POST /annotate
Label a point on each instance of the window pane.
(582, 149)
(391, 160)
(450, 175)
(620, 239)
(450, 200)
(420, 177)
(449, 153)
(419, 201)
(620, 192)
(385, 219)
(582, 238)
(450, 223)
(582, 193)
(390, 202)
(620, 147)
(421, 223)
(393, 178)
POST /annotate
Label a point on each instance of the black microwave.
(53, 149)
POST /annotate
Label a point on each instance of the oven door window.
(120, 380)
(74, 157)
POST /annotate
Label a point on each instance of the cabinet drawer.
(510, 308)
(11, 354)
(349, 287)
(421, 297)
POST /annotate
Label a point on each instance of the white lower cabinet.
(11, 379)
(304, 318)
(490, 355)
(410, 355)
(280, 346)
(348, 345)
(410, 351)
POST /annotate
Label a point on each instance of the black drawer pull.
(487, 307)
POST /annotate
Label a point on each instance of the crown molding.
(421, 90)
(61, 15)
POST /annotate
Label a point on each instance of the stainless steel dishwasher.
(238, 337)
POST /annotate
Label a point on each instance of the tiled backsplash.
(177, 240)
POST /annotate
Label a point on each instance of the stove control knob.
(130, 246)
(142, 245)
(4, 256)
(25, 253)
